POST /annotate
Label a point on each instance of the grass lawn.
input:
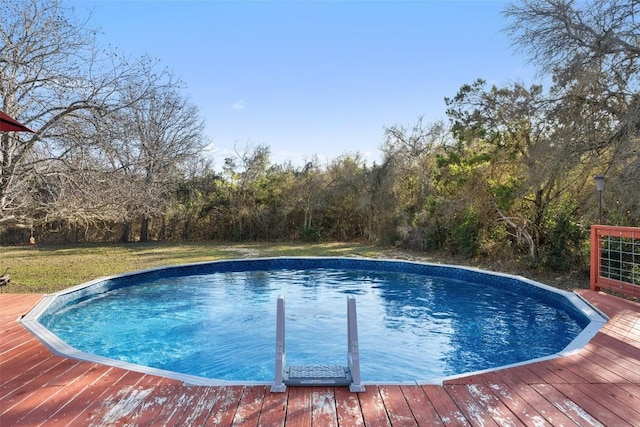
(46, 269)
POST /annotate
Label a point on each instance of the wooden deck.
(599, 386)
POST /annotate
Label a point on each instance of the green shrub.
(310, 234)
(464, 234)
(564, 247)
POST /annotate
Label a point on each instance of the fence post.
(594, 267)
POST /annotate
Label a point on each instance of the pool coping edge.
(596, 319)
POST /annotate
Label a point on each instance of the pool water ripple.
(222, 324)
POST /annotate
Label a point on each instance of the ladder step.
(298, 375)
(320, 374)
(319, 371)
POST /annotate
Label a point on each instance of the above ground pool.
(215, 322)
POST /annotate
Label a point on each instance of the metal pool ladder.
(323, 374)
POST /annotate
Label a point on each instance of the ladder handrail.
(278, 384)
(353, 352)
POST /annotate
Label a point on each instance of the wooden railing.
(615, 259)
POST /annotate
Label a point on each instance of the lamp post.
(599, 179)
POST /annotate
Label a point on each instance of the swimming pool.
(417, 322)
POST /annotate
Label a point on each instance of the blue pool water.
(414, 322)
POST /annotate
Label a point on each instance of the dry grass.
(46, 269)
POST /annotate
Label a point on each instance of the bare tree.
(572, 40)
(246, 173)
(346, 214)
(161, 132)
(413, 143)
(402, 185)
(308, 195)
(592, 51)
(59, 82)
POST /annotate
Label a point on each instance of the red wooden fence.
(615, 259)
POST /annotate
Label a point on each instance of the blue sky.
(314, 77)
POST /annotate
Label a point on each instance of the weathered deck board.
(542, 405)
(274, 409)
(225, 406)
(491, 403)
(81, 404)
(566, 406)
(596, 406)
(196, 404)
(396, 406)
(323, 407)
(249, 407)
(469, 406)
(522, 409)
(598, 386)
(299, 407)
(348, 408)
(372, 406)
(616, 400)
(57, 394)
(445, 406)
(421, 407)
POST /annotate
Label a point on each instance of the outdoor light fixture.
(599, 179)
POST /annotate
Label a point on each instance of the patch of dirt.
(245, 252)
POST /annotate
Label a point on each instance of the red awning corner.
(9, 124)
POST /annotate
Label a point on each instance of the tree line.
(119, 150)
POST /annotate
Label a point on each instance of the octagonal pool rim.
(589, 318)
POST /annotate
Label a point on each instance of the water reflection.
(222, 325)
